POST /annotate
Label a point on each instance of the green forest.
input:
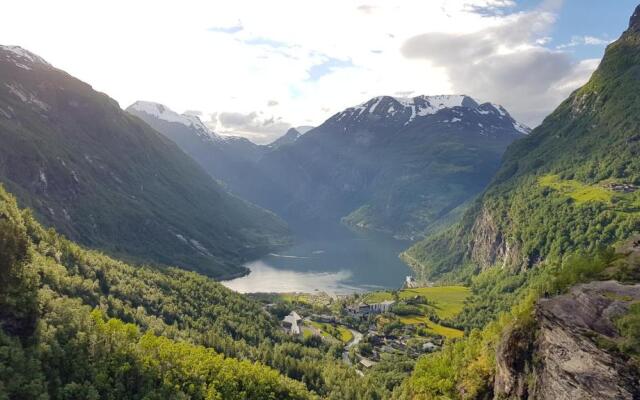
(80, 325)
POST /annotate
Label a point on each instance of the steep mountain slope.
(62, 333)
(570, 185)
(389, 164)
(232, 160)
(229, 160)
(108, 180)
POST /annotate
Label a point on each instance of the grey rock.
(560, 358)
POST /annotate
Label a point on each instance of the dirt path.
(357, 338)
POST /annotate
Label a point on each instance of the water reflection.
(264, 278)
(333, 259)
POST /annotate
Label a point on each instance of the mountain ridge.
(344, 169)
(108, 180)
(374, 144)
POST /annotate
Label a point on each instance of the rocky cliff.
(571, 351)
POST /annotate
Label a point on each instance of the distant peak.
(289, 137)
(162, 112)
(292, 132)
(21, 57)
(634, 22)
(156, 109)
(405, 110)
(436, 102)
(411, 107)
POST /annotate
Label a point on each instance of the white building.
(383, 307)
(363, 309)
(292, 323)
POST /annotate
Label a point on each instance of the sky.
(254, 68)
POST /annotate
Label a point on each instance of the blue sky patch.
(326, 67)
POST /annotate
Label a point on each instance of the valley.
(403, 246)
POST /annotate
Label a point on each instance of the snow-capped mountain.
(401, 111)
(226, 158)
(22, 58)
(164, 113)
(391, 164)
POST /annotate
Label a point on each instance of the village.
(370, 326)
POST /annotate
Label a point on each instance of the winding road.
(357, 337)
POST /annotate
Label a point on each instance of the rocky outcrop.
(514, 363)
(634, 21)
(564, 358)
(490, 247)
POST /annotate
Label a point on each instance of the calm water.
(335, 260)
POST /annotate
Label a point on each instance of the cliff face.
(570, 353)
(490, 246)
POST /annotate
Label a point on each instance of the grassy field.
(433, 327)
(338, 332)
(448, 300)
(319, 299)
(345, 334)
(578, 191)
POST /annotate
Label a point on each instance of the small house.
(365, 362)
(429, 347)
(383, 307)
(291, 323)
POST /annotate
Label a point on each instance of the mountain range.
(107, 180)
(390, 164)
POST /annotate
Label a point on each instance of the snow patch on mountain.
(22, 58)
(164, 113)
(419, 106)
(525, 130)
(405, 110)
(27, 97)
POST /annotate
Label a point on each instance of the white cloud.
(316, 58)
(254, 125)
(507, 63)
(584, 41)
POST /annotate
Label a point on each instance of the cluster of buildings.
(364, 309)
(406, 344)
(622, 187)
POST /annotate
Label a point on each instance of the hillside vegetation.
(466, 369)
(109, 181)
(571, 185)
(562, 197)
(76, 324)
